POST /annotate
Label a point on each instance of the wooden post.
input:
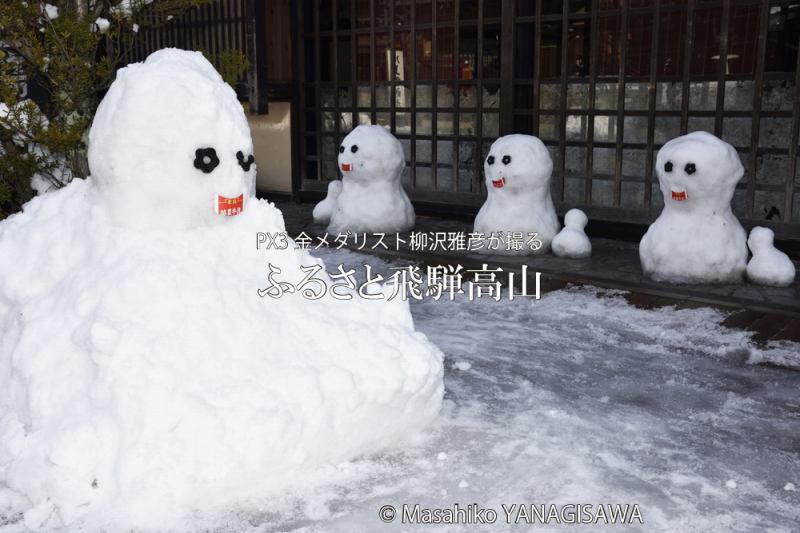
(255, 29)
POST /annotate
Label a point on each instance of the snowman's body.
(697, 238)
(768, 266)
(517, 173)
(372, 199)
(148, 363)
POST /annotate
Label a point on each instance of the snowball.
(51, 11)
(768, 266)
(372, 198)
(790, 487)
(324, 209)
(141, 375)
(517, 172)
(462, 365)
(696, 239)
(102, 24)
(441, 456)
(731, 484)
(572, 240)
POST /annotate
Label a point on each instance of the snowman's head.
(517, 163)
(371, 154)
(698, 172)
(760, 239)
(170, 145)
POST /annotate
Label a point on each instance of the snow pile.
(517, 171)
(697, 238)
(372, 198)
(323, 210)
(141, 375)
(768, 266)
(572, 241)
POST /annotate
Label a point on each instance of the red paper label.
(346, 167)
(498, 183)
(230, 206)
(679, 196)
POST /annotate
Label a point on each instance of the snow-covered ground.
(576, 398)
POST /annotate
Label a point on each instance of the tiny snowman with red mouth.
(518, 201)
(697, 238)
(371, 198)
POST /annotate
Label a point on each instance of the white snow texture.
(372, 198)
(572, 241)
(697, 238)
(141, 376)
(517, 172)
(322, 211)
(768, 266)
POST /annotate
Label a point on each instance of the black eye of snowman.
(245, 163)
(690, 168)
(354, 148)
(341, 149)
(668, 166)
(206, 159)
(490, 160)
(506, 159)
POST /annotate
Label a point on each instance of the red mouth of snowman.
(498, 184)
(679, 196)
(346, 167)
(229, 207)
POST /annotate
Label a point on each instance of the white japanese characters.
(517, 171)
(697, 238)
(372, 198)
(572, 241)
(768, 266)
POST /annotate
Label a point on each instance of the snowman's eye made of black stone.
(341, 149)
(690, 168)
(668, 166)
(354, 148)
(245, 163)
(490, 160)
(506, 159)
(206, 159)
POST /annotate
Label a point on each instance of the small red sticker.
(230, 206)
(679, 196)
(346, 167)
(498, 183)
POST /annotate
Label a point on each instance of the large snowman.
(371, 198)
(517, 172)
(697, 238)
(148, 366)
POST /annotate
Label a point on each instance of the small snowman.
(768, 266)
(697, 238)
(371, 198)
(572, 241)
(323, 210)
(517, 172)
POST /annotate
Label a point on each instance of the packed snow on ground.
(576, 398)
(142, 373)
